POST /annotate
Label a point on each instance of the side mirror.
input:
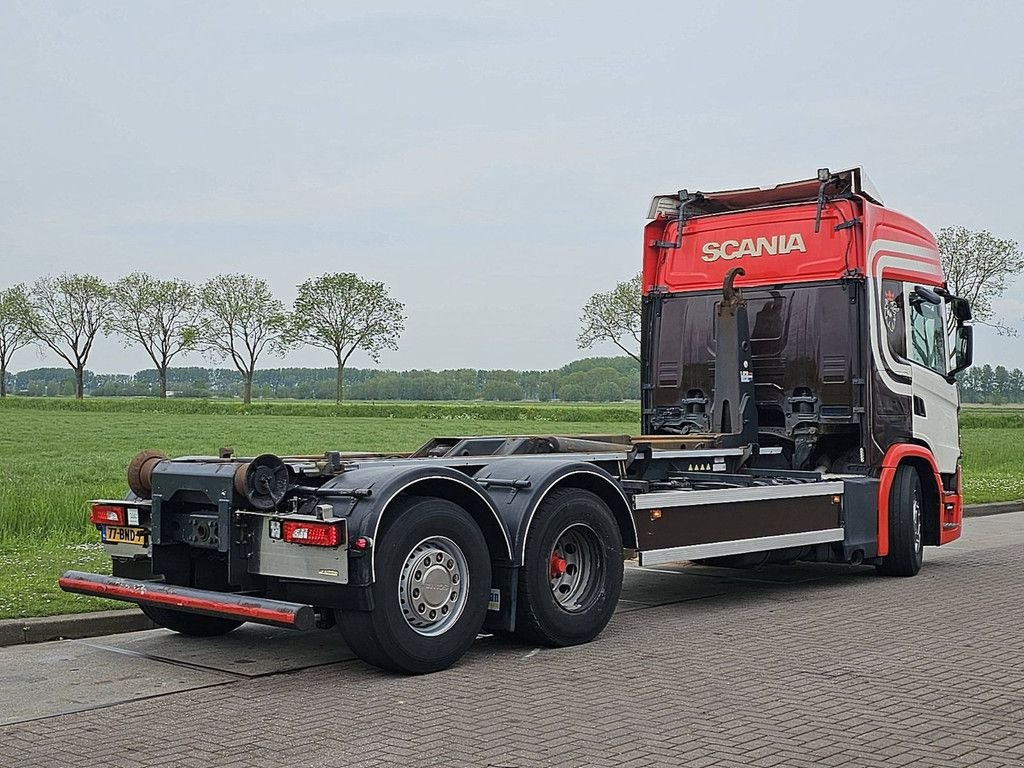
(963, 350)
(926, 294)
(961, 308)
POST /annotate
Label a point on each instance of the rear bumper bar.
(276, 613)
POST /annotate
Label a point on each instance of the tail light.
(107, 514)
(311, 534)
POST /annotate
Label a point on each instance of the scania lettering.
(797, 407)
(737, 249)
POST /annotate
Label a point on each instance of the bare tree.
(67, 313)
(342, 313)
(978, 267)
(160, 315)
(613, 316)
(240, 321)
(14, 330)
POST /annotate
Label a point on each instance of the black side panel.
(891, 416)
(860, 517)
(650, 326)
(702, 524)
(891, 419)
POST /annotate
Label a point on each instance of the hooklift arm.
(734, 411)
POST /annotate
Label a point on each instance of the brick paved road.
(807, 666)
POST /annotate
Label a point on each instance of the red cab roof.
(771, 234)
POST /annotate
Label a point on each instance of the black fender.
(518, 486)
(365, 494)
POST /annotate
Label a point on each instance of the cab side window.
(927, 334)
(894, 318)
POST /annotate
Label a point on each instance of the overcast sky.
(491, 162)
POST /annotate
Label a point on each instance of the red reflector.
(313, 534)
(106, 514)
(361, 543)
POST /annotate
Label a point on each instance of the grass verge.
(993, 469)
(28, 579)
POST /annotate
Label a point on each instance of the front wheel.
(192, 624)
(571, 578)
(433, 578)
(906, 510)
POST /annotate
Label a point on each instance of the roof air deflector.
(852, 181)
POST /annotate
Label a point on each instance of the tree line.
(232, 317)
(599, 379)
(998, 385)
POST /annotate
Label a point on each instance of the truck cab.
(855, 341)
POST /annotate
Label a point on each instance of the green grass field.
(29, 573)
(53, 460)
(993, 464)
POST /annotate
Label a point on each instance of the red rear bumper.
(276, 613)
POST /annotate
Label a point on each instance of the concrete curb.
(994, 508)
(42, 629)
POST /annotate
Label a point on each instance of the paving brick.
(841, 669)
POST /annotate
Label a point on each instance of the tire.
(419, 631)
(191, 624)
(906, 510)
(570, 581)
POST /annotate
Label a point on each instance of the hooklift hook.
(730, 293)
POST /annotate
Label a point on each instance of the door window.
(927, 334)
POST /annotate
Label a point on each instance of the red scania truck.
(799, 402)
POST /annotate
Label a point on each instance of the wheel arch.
(923, 462)
(467, 495)
(599, 483)
(377, 488)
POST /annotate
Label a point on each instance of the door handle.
(919, 407)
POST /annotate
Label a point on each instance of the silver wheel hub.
(574, 567)
(916, 509)
(433, 585)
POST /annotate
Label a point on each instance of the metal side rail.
(276, 613)
(740, 546)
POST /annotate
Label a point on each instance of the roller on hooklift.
(799, 402)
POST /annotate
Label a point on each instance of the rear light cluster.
(311, 534)
(107, 514)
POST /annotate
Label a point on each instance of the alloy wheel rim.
(433, 586)
(916, 509)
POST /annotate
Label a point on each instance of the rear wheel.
(192, 624)
(570, 581)
(906, 511)
(433, 578)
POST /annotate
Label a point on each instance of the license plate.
(119, 534)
